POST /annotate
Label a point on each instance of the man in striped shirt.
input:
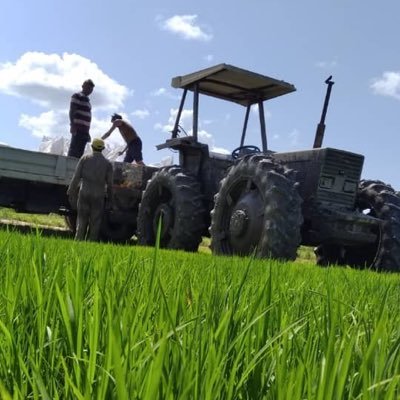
(80, 115)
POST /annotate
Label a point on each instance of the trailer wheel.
(329, 254)
(257, 210)
(115, 229)
(378, 200)
(175, 197)
(111, 230)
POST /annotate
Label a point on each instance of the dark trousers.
(90, 215)
(134, 151)
(78, 144)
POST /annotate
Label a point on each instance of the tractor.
(257, 202)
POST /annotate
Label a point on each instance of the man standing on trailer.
(133, 143)
(88, 189)
(80, 116)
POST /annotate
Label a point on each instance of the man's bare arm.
(108, 133)
(123, 151)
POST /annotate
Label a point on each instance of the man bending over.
(133, 147)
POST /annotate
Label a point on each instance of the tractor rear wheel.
(257, 211)
(173, 196)
(378, 200)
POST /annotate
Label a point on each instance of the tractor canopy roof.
(234, 84)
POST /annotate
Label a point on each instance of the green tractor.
(257, 201)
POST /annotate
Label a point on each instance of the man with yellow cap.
(90, 187)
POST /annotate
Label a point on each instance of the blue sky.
(132, 50)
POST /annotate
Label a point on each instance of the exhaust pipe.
(319, 134)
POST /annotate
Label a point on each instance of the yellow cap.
(98, 144)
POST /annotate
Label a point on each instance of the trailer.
(35, 182)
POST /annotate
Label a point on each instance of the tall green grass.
(95, 321)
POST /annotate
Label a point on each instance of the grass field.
(96, 321)
(37, 219)
(305, 254)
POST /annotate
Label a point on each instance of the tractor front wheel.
(173, 197)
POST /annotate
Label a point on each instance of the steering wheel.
(243, 150)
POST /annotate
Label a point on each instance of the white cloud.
(53, 124)
(159, 126)
(159, 92)
(204, 136)
(49, 80)
(185, 26)
(220, 150)
(185, 121)
(387, 85)
(254, 110)
(326, 64)
(207, 138)
(209, 57)
(49, 123)
(294, 137)
(165, 93)
(141, 114)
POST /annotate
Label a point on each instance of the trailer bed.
(36, 167)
